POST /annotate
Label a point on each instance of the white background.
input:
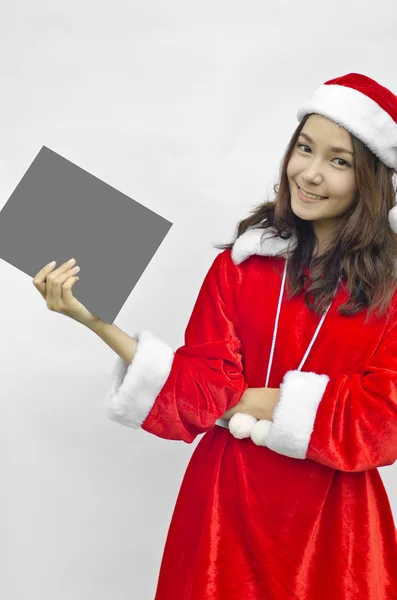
(187, 108)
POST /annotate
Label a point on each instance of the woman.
(293, 337)
(291, 506)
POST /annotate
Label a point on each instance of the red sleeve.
(180, 395)
(347, 422)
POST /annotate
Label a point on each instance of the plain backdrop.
(187, 108)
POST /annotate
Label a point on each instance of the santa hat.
(367, 110)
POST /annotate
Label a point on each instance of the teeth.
(311, 195)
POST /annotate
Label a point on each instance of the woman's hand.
(232, 411)
(56, 289)
(258, 402)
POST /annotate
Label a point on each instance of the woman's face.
(319, 170)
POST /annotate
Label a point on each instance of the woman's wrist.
(232, 411)
(257, 402)
(251, 403)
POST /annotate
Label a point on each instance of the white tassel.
(260, 431)
(243, 426)
(240, 425)
(393, 219)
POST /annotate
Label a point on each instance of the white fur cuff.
(135, 386)
(295, 413)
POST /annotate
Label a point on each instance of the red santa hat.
(367, 110)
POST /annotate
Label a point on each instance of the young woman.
(295, 325)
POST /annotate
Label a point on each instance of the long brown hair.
(363, 250)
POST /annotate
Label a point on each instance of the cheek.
(344, 187)
(293, 167)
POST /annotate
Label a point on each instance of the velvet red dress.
(307, 517)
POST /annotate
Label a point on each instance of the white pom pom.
(260, 431)
(240, 425)
(393, 218)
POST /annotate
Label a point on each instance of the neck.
(323, 238)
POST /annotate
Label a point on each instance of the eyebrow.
(333, 149)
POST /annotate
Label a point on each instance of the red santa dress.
(307, 517)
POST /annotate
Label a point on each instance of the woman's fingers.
(55, 281)
(56, 289)
(39, 280)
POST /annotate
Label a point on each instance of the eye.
(299, 145)
(342, 159)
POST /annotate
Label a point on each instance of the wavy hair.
(363, 250)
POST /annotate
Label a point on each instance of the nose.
(312, 175)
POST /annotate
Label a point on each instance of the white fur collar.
(249, 243)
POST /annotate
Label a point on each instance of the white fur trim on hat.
(360, 115)
(135, 386)
(295, 413)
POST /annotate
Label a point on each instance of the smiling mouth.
(316, 196)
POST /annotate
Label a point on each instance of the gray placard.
(59, 211)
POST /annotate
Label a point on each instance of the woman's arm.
(117, 339)
(180, 395)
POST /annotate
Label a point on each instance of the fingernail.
(72, 260)
(52, 263)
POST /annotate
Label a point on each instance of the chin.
(302, 214)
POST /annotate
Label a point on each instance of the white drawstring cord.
(276, 326)
(317, 330)
(276, 323)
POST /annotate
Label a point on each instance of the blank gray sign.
(59, 211)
